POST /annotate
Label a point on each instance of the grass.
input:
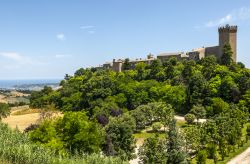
(181, 124)
(146, 135)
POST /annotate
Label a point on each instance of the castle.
(227, 34)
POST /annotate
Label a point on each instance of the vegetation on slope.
(111, 106)
(16, 147)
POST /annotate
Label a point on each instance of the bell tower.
(228, 34)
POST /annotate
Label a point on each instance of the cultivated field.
(20, 121)
(23, 116)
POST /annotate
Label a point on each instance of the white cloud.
(91, 32)
(243, 13)
(61, 36)
(62, 56)
(12, 55)
(18, 59)
(86, 27)
(221, 21)
(235, 16)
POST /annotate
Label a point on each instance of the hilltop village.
(227, 34)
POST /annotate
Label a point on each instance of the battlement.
(227, 28)
(227, 34)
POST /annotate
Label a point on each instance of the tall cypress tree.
(226, 58)
(126, 65)
(175, 146)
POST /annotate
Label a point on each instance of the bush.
(201, 157)
(4, 110)
(31, 128)
(189, 118)
(153, 150)
(211, 151)
(248, 130)
(156, 127)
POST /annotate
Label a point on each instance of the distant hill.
(36, 87)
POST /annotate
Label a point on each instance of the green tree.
(78, 133)
(156, 127)
(246, 100)
(80, 72)
(141, 71)
(219, 105)
(197, 87)
(155, 68)
(189, 118)
(209, 64)
(46, 134)
(179, 100)
(126, 65)
(226, 58)
(119, 137)
(153, 150)
(162, 112)
(248, 132)
(192, 136)
(229, 90)
(143, 116)
(4, 110)
(175, 151)
(201, 157)
(199, 112)
(188, 71)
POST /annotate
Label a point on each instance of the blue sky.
(49, 38)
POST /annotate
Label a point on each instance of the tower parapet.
(228, 35)
(228, 28)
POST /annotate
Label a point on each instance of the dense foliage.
(4, 110)
(74, 132)
(122, 103)
(16, 147)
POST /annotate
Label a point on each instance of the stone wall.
(212, 51)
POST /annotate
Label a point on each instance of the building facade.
(227, 35)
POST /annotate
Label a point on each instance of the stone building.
(227, 34)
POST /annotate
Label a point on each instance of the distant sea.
(9, 84)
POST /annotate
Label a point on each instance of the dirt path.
(181, 118)
(139, 143)
(243, 158)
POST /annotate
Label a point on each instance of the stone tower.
(228, 34)
(117, 65)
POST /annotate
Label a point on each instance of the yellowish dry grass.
(3, 99)
(22, 117)
(25, 111)
(21, 121)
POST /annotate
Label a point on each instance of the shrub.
(4, 110)
(156, 126)
(31, 128)
(189, 118)
(201, 157)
